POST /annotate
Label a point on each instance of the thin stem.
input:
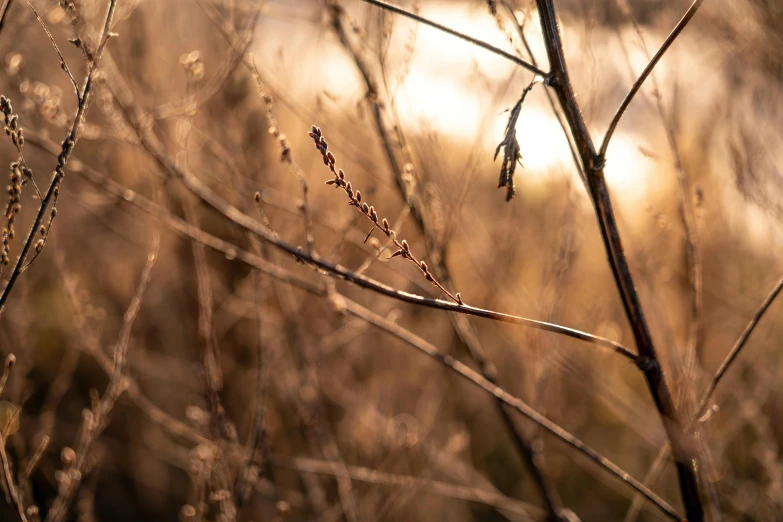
(3, 12)
(646, 72)
(737, 348)
(454, 491)
(508, 56)
(63, 64)
(62, 159)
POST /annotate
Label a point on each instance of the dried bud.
(68, 456)
(424, 267)
(341, 174)
(405, 246)
(385, 224)
(257, 197)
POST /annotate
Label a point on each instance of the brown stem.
(648, 359)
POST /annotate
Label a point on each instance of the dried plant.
(265, 368)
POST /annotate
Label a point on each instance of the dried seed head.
(358, 196)
(365, 208)
(385, 224)
(405, 246)
(424, 267)
(341, 174)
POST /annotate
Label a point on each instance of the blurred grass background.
(540, 255)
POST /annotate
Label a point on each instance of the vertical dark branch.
(594, 169)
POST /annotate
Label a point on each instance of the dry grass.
(196, 327)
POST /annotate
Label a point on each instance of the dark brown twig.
(594, 168)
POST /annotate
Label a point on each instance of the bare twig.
(67, 147)
(13, 495)
(648, 360)
(645, 73)
(63, 64)
(508, 56)
(287, 157)
(96, 419)
(455, 491)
